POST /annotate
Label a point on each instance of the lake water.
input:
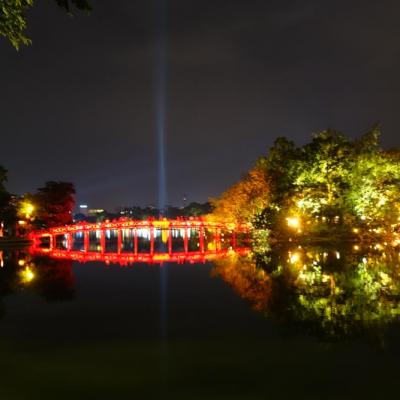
(210, 330)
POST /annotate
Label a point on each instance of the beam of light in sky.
(160, 85)
(160, 76)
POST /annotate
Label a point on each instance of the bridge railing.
(139, 229)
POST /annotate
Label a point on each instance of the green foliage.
(280, 167)
(13, 21)
(328, 187)
(352, 181)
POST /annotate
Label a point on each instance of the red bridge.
(135, 241)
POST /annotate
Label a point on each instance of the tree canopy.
(243, 200)
(13, 22)
(332, 184)
(54, 203)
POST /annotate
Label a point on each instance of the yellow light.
(27, 275)
(325, 278)
(21, 263)
(26, 209)
(294, 257)
(164, 236)
(355, 230)
(164, 223)
(356, 248)
(21, 222)
(211, 246)
(293, 222)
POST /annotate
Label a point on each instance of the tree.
(13, 21)
(244, 200)
(54, 204)
(329, 188)
(194, 209)
(324, 165)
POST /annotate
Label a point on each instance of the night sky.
(79, 104)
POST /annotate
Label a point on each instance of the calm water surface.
(179, 331)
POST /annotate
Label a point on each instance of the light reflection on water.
(331, 293)
(99, 325)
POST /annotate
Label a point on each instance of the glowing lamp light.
(27, 275)
(29, 209)
(293, 222)
(295, 257)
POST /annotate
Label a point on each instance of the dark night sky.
(78, 104)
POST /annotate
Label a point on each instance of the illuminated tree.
(13, 18)
(244, 200)
(373, 189)
(54, 204)
(330, 187)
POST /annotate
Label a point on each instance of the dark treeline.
(193, 209)
(53, 204)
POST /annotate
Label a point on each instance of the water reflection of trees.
(329, 292)
(51, 279)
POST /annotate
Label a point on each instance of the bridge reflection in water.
(151, 241)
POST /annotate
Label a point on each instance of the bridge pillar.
(69, 241)
(201, 238)
(169, 239)
(85, 241)
(135, 241)
(185, 240)
(103, 240)
(151, 239)
(119, 245)
(52, 241)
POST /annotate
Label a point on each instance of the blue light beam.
(160, 79)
